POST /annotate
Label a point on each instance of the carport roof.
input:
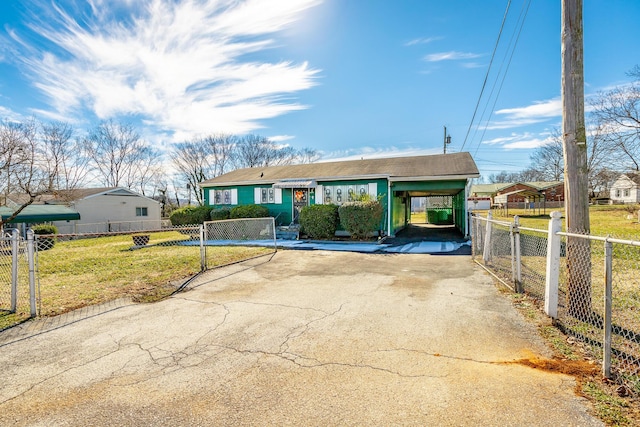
(40, 213)
(435, 167)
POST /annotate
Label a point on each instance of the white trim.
(257, 195)
(277, 196)
(432, 178)
(319, 195)
(373, 190)
(234, 196)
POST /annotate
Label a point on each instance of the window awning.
(296, 184)
(40, 213)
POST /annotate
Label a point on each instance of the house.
(100, 210)
(540, 194)
(626, 189)
(285, 190)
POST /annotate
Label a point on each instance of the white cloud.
(181, 66)
(539, 111)
(423, 40)
(376, 153)
(526, 140)
(450, 56)
(280, 138)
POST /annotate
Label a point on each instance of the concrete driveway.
(311, 338)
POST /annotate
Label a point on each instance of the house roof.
(61, 197)
(435, 167)
(496, 188)
(633, 176)
(40, 213)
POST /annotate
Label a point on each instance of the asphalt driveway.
(306, 338)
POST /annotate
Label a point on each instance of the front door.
(300, 200)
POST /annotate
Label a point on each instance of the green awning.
(41, 213)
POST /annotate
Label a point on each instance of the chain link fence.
(597, 286)
(68, 271)
(16, 277)
(256, 232)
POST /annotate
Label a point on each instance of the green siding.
(452, 186)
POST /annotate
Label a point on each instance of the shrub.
(45, 243)
(320, 221)
(190, 215)
(220, 214)
(249, 211)
(361, 218)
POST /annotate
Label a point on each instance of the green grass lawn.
(78, 273)
(617, 221)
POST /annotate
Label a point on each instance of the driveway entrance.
(310, 338)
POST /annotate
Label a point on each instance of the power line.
(521, 19)
(486, 77)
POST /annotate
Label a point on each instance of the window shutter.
(278, 196)
(319, 195)
(373, 190)
(257, 196)
(234, 196)
(212, 197)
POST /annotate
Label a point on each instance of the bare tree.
(24, 167)
(307, 155)
(120, 157)
(549, 159)
(618, 115)
(257, 151)
(192, 160)
(64, 155)
(221, 147)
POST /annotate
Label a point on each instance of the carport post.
(15, 247)
(486, 253)
(553, 265)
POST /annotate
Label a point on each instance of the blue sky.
(349, 78)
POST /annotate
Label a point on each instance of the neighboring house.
(626, 189)
(285, 190)
(524, 193)
(101, 210)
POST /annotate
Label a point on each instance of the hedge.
(361, 219)
(249, 211)
(190, 215)
(319, 221)
(220, 214)
(45, 243)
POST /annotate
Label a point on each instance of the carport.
(447, 202)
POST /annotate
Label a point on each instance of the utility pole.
(447, 140)
(574, 142)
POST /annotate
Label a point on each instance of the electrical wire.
(523, 15)
(486, 77)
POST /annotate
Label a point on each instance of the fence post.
(553, 265)
(516, 262)
(486, 253)
(15, 249)
(32, 272)
(606, 350)
(203, 255)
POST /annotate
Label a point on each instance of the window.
(223, 197)
(626, 192)
(267, 195)
(338, 194)
(142, 212)
(617, 193)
